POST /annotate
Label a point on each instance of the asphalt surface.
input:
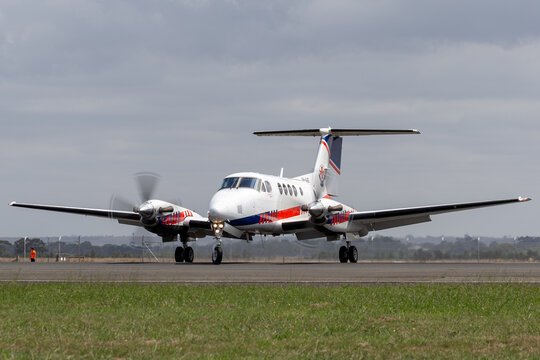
(272, 273)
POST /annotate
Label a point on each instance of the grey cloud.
(93, 91)
(55, 37)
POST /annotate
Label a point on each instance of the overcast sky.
(92, 92)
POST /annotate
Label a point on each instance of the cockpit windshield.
(229, 183)
(238, 182)
(249, 182)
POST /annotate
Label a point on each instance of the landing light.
(218, 226)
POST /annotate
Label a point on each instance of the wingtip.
(416, 131)
(523, 199)
(12, 203)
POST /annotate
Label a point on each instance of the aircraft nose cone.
(146, 210)
(216, 213)
(219, 208)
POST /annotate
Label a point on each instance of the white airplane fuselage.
(261, 208)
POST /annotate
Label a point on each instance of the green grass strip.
(170, 321)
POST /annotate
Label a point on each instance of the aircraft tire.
(179, 254)
(353, 254)
(217, 255)
(343, 255)
(188, 254)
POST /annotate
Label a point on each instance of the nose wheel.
(348, 253)
(217, 255)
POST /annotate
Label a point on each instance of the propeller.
(146, 186)
(148, 210)
(147, 182)
(117, 202)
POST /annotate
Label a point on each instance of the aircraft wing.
(201, 226)
(121, 216)
(386, 219)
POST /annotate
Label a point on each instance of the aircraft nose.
(219, 208)
(217, 212)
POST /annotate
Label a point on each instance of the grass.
(171, 321)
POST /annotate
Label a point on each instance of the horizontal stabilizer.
(335, 132)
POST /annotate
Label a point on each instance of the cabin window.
(285, 189)
(229, 183)
(301, 191)
(268, 186)
(294, 189)
(280, 188)
(290, 190)
(249, 182)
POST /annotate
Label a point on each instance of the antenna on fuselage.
(281, 173)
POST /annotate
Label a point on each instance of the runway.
(272, 273)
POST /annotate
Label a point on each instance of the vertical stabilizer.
(328, 165)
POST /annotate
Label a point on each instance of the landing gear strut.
(217, 252)
(349, 253)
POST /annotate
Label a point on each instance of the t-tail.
(325, 176)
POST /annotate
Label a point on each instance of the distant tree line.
(378, 248)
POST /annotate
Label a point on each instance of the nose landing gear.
(349, 253)
(217, 252)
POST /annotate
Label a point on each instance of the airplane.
(250, 203)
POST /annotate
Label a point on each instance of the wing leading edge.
(201, 225)
(386, 219)
(115, 214)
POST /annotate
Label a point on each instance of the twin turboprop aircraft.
(251, 203)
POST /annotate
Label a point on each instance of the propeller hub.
(316, 209)
(146, 210)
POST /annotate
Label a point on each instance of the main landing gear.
(184, 253)
(349, 253)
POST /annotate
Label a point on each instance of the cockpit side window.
(229, 183)
(263, 187)
(268, 186)
(249, 182)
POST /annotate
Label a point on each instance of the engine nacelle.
(318, 211)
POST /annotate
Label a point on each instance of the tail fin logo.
(322, 175)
